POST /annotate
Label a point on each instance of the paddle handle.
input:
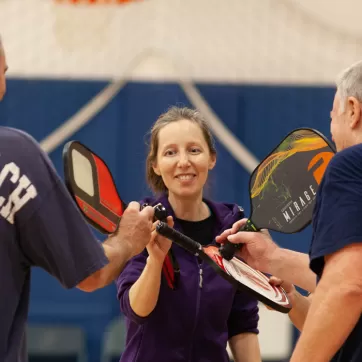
(184, 241)
(228, 250)
(160, 212)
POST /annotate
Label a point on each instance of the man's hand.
(134, 231)
(257, 248)
(262, 253)
(132, 236)
(300, 304)
(289, 288)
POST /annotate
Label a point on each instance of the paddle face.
(283, 187)
(235, 271)
(250, 280)
(91, 184)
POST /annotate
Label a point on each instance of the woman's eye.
(169, 153)
(195, 150)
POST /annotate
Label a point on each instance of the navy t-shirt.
(337, 222)
(39, 226)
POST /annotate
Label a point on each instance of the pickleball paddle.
(283, 186)
(92, 187)
(238, 273)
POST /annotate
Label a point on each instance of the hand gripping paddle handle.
(228, 250)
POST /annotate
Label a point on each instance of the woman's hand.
(159, 246)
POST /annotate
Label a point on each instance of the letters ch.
(23, 192)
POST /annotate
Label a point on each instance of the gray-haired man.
(332, 327)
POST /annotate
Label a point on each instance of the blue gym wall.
(258, 115)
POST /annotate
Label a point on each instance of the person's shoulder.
(13, 138)
(20, 148)
(15, 133)
(348, 155)
(347, 162)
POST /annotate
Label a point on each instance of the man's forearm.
(328, 324)
(299, 311)
(117, 256)
(293, 267)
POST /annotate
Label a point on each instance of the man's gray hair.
(349, 84)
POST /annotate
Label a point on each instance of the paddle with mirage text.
(92, 186)
(283, 186)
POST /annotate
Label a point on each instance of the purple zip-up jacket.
(191, 323)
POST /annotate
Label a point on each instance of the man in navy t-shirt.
(336, 258)
(332, 327)
(40, 225)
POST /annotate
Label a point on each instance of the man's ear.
(353, 112)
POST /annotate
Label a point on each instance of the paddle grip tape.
(182, 240)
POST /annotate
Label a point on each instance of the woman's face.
(183, 158)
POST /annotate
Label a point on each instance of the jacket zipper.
(197, 302)
(200, 274)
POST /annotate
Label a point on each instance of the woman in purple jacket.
(194, 321)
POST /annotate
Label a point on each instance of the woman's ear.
(212, 161)
(156, 170)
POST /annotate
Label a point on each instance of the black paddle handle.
(160, 212)
(228, 250)
(182, 240)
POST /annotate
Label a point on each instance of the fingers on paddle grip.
(184, 241)
(170, 268)
(228, 250)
